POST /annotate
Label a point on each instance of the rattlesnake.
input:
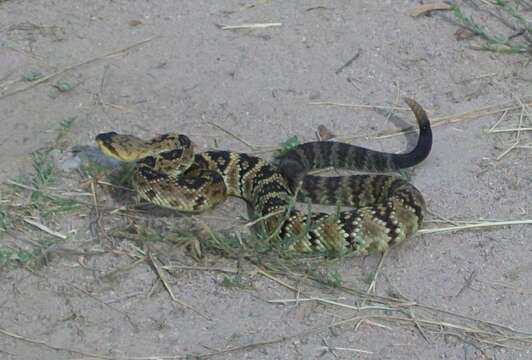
(386, 209)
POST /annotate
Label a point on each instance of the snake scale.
(384, 209)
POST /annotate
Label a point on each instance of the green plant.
(498, 43)
(286, 146)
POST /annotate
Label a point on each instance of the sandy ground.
(259, 85)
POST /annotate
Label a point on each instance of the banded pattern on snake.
(386, 209)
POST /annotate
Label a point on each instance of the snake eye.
(148, 160)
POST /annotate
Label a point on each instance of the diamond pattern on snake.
(384, 210)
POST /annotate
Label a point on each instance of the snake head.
(167, 148)
(120, 147)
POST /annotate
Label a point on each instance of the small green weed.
(43, 168)
(507, 14)
(329, 278)
(63, 86)
(33, 75)
(64, 129)
(123, 175)
(8, 255)
(31, 196)
(235, 282)
(286, 146)
(92, 169)
(42, 202)
(32, 258)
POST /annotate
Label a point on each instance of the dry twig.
(45, 228)
(75, 66)
(250, 26)
(486, 224)
(169, 289)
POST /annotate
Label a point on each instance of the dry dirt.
(259, 84)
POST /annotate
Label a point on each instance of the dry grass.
(301, 274)
(49, 77)
(290, 272)
(32, 207)
(435, 121)
(250, 26)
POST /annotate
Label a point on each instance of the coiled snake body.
(385, 209)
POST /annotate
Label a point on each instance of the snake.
(383, 209)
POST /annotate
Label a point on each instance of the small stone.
(69, 164)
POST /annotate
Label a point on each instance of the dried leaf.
(134, 23)
(463, 34)
(324, 134)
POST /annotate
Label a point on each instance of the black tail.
(321, 154)
(424, 142)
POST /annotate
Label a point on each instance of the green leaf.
(32, 75)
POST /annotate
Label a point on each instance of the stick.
(250, 26)
(518, 134)
(329, 348)
(349, 62)
(55, 348)
(72, 67)
(373, 284)
(271, 277)
(198, 268)
(265, 217)
(449, 119)
(418, 326)
(505, 152)
(331, 302)
(170, 292)
(14, 183)
(475, 226)
(511, 130)
(233, 135)
(45, 228)
(359, 106)
(501, 118)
